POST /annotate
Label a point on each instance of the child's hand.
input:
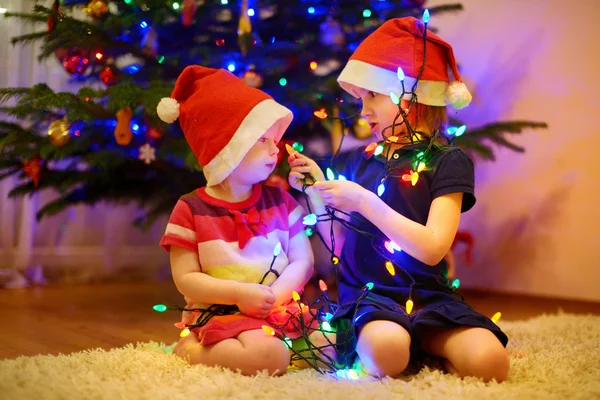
(255, 300)
(343, 195)
(300, 164)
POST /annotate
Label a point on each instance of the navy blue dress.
(363, 258)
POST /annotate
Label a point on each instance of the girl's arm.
(298, 272)
(427, 243)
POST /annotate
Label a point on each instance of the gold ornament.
(362, 129)
(336, 129)
(97, 9)
(58, 132)
(252, 78)
(123, 133)
(245, 38)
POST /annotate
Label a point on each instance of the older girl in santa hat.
(405, 195)
(237, 248)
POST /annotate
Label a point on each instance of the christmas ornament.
(361, 129)
(123, 133)
(153, 132)
(54, 16)
(331, 33)
(224, 15)
(245, 38)
(32, 169)
(149, 42)
(97, 9)
(188, 11)
(58, 132)
(252, 78)
(76, 63)
(127, 61)
(110, 74)
(147, 153)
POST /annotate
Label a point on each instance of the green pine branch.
(474, 139)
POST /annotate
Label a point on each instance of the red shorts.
(229, 326)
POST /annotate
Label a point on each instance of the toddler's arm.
(298, 272)
(252, 299)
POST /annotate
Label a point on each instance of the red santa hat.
(399, 43)
(221, 117)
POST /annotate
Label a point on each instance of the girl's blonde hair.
(428, 119)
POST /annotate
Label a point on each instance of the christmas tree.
(106, 143)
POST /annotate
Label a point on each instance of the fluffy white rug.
(552, 356)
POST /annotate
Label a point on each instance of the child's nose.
(274, 148)
(365, 111)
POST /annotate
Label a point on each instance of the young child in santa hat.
(408, 197)
(223, 237)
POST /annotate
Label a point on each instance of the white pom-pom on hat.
(457, 95)
(168, 109)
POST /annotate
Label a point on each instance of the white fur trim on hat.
(168, 109)
(458, 95)
(380, 80)
(262, 117)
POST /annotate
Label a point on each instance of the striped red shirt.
(236, 240)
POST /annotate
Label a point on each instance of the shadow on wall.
(497, 82)
(503, 254)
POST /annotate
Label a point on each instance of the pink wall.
(537, 219)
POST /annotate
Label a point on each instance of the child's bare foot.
(182, 347)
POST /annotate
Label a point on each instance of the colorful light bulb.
(310, 219)
(299, 147)
(277, 249)
(390, 268)
(400, 74)
(455, 284)
(380, 189)
(426, 16)
(159, 307)
(295, 296)
(496, 317)
(268, 330)
(395, 99)
(184, 332)
(409, 306)
(322, 285)
(330, 174)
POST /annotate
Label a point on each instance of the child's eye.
(262, 140)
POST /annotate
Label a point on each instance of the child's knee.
(272, 355)
(384, 348)
(489, 363)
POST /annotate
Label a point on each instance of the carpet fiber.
(552, 356)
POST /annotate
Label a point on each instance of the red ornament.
(75, 63)
(33, 168)
(154, 133)
(53, 16)
(109, 75)
(188, 11)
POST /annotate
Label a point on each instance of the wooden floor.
(64, 319)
